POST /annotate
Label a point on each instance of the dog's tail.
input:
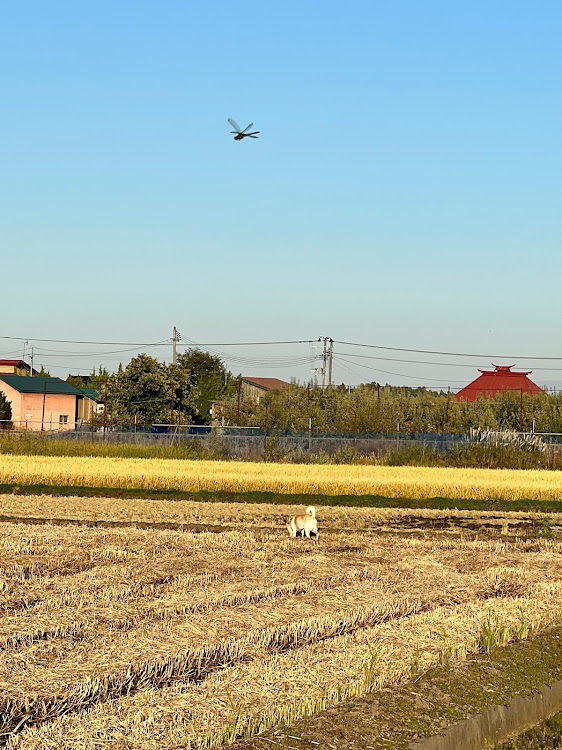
(311, 511)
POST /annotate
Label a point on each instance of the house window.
(63, 419)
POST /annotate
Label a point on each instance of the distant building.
(46, 403)
(254, 388)
(499, 380)
(14, 367)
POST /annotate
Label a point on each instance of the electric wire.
(446, 354)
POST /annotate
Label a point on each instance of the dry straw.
(156, 638)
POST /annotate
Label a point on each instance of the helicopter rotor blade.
(234, 125)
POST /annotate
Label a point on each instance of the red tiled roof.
(267, 384)
(14, 363)
(492, 382)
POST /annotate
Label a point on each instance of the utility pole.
(174, 343)
(172, 403)
(105, 409)
(327, 360)
(32, 348)
(43, 412)
(521, 412)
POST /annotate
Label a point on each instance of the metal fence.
(256, 443)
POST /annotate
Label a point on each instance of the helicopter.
(240, 134)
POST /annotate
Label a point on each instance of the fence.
(255, 442)
(252, 442)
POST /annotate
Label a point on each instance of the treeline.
(199, 388)
(376, 408)
(147, 391)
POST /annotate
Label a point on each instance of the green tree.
(209, 379)
(96, 380)
(388, 409)
(140, 390)
(147, 391)
(5, 412)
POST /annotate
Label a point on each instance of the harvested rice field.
(145, 638)
(238, 476)
(199, 515)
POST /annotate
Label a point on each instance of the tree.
(140, 390)
(5, 413)
(209, 379)
(147, 391)
(96, 380)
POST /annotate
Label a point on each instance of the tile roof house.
(255, 388)
(39, 403)
(14, 367)
(492, 382)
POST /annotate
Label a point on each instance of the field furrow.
(172, 639)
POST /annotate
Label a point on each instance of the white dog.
(305, 523)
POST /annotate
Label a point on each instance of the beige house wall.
(27, 409)
(86, 407)
(12, 370)
(252, 392)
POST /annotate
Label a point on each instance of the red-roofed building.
(14, 367)
(255, 388)
(499, 380)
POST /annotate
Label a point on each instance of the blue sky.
(405, 190)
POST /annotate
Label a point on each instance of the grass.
(256, 497)
(472, 455)
(157, 638)
(546, 736)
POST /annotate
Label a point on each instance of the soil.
(400, 715)
(406, 525)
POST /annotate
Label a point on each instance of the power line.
(167, 341)
(257, 343)
(400, 374)
(439, 364)
(98, 343)
(445, 354)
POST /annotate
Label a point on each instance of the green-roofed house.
(39, 403)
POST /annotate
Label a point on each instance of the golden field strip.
(144, 639)
(234, 476)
